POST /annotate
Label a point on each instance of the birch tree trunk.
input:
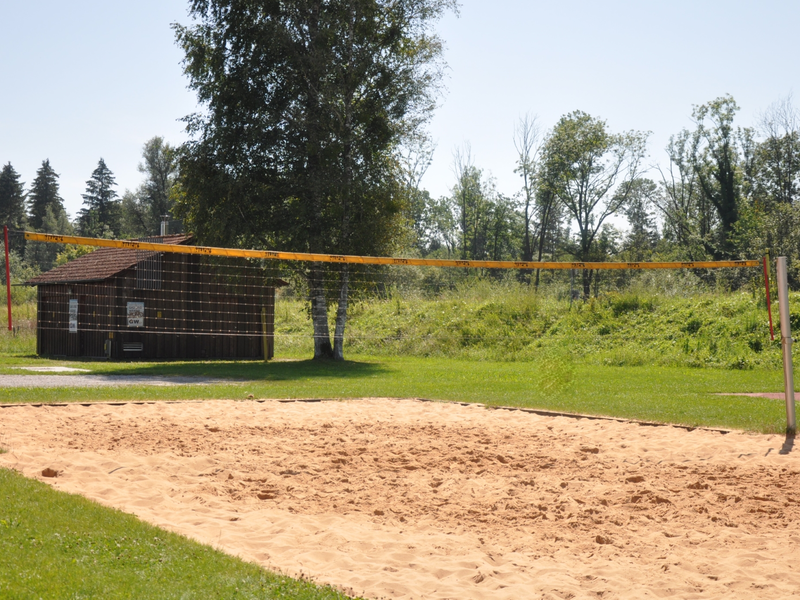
(341, 316)
(319, 314)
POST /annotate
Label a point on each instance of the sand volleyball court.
(408, 499)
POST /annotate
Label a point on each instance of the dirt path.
(407, 499)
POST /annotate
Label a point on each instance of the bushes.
(631, 302)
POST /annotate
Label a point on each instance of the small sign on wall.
(135, 314)
(73, 316)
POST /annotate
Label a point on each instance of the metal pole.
(8, 275)
(786, 344)
(769, 301)
(264, 340)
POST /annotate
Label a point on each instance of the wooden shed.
(130, 304)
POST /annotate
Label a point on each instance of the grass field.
(665, 394)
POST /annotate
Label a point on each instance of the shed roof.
(102, 263)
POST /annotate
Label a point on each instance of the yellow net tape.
(380, 260)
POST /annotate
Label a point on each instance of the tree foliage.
(642, 236)
(310, 139)
(688, 216)
(527, 143)
(777, 157)
(42, 254)
(306, 104)
(12, 204)
(100, 215)
(726, 192)
(719, 158)
(142, 211)
(44, 194)
(591, 171)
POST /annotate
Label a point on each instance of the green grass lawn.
(55, 545)
(680, 395)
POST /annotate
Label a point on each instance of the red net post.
(8, 274)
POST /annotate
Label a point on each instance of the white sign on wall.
(135, 314)
(73, 316)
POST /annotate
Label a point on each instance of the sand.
(410, 499)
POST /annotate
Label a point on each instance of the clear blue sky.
(88, 79)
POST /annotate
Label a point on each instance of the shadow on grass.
(256, 370)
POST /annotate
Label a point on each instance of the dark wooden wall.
(200, 311)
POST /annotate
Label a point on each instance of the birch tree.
(306, 104)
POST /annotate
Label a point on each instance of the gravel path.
(53, 381)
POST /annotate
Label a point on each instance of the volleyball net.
(162, 298)
(165, 246)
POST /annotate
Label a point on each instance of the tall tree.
(471, 203)
(505, 229)
(440, 227)
(415, 160)
(307, 103)
(12, 204)
(778, 155)
(100, 216)
(719, 160)
(549, 214)
(527, 142)
(43, 194)
(142, 211)
(134, 216)
(160, 168)
(591, 172)
(688, 216)
(642, 235)
(488, 223)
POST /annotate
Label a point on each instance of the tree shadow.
(256, 370)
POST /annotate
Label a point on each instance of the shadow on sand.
(788, 444)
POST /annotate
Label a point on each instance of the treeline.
(587, 194)
(104, 213)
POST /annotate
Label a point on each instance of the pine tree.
(100, 216)
(44, 194)
(47, 214)
(12, 205)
